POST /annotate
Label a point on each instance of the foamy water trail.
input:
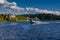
(41, 22)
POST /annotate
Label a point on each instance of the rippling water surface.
(44, 30)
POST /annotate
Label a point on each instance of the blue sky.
(42, 4)
(30, 6)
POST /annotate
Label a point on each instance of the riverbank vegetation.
(43, 16)
(11, 17)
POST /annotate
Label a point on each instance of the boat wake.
(41, 22)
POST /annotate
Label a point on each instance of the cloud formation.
(13, 8)
(2, 1)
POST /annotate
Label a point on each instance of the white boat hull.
(35, 21)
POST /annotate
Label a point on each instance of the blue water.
(44, 30)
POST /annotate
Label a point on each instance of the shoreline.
(27, 20)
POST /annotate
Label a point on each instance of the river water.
(44, 30)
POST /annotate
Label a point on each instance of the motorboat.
(34, 20)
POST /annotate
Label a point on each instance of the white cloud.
(29, 9)
(2, 1)
(13, 5)
(13, 8)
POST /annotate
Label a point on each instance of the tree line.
(6, 17)
(43, 16)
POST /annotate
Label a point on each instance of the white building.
(12, 16)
